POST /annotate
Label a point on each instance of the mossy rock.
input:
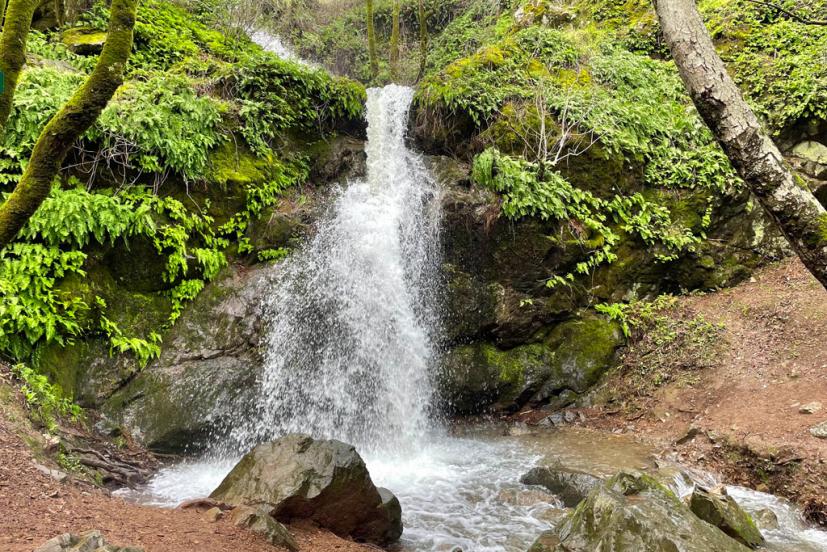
(480, 376)
(631, 513)
(723, 512)
(85, 42)
(234, 165)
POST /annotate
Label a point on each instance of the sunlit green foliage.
(45, 401)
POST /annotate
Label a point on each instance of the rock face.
(723, 512)
(511, 340)
(297, 477)
(636, 513)
(92, 541)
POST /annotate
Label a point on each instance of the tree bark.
(423, 39)
(374, 61)
(395, 40)
(19, 14)
(784, 197)
(73, 119)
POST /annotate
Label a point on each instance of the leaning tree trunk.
(19, 14)
(796, 211)
(73, 119)
(374, 62)
(395, 40)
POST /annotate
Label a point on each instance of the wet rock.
(570, 486)
(546, 542)
(721, 510)
(635, 512)
(481, 376)
(810, 408)
(92, 541)
(260, 522)
(296, 477)
(819, 430)
(340, 158)
(766, 519)
(216, 340)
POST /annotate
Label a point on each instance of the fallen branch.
(789, 14)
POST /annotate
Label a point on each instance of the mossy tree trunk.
(423, 38)
(374, 61)
(19, 14)
(73, 119)
(394, 57)
(796, 211)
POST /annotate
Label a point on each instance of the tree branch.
(789, 14)
(74, 118)
(19, 14)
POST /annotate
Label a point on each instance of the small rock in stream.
(719, 509)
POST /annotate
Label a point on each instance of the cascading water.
(350, 346)
(352, 343)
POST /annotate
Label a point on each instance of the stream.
(352, 345)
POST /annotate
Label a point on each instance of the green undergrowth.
(206, 134)
(547, 98)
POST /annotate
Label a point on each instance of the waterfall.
(352, 316)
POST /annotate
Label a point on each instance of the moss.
(822, 228)
(84, 41)
(233, 165)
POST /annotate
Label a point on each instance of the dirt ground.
(741, 415)
(36, 507)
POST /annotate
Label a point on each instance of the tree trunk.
(374, 61)
(19, 14)
(784, 197)
(73, 119)
(395, 41)
(423, 39)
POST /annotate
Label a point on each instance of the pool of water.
(463, 490)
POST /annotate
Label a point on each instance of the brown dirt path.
(745, 407)
(36, 507)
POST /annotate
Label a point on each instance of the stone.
(91, 541)
(57, 475)
(546, 542)
(766, 519)
(213, 514)
(810, 408)
(811, 158)
(721, 510)
(819, 430)
(570, 486)
(297, 477)
(636, 513)
(260, 522)
(85, 42)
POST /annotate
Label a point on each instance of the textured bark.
(73, 119)
(423, 38)
(795, 210)
(395, 40)
(374, 62)
(19, 14)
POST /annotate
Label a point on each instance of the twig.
(789, 13)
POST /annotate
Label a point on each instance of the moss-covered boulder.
(296, 477)
(566, 362)
(168, 406)
(721, 510)
(85, 42)
(635, 513)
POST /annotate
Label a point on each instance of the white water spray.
(350, 346)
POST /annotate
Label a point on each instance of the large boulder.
(562, 365)
(297, 477)
(636, 513)
(721, 510)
